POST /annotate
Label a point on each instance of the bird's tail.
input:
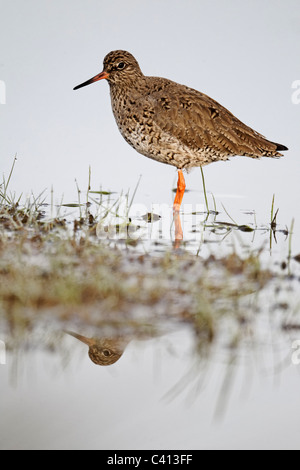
(280, 147)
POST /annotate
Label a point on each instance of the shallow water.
(165, 389)
(159, 395)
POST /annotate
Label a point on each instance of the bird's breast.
(135, 122)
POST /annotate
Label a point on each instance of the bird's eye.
(106, 352)
(121, 65)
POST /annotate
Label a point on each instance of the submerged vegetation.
(69, 273)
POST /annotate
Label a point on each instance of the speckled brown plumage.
(175, 124)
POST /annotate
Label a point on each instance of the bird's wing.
(200, 122)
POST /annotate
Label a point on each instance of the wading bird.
(175, 124)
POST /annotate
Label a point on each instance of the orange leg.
(176, 206)
(180, 192)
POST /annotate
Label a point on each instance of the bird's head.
(119, 68)
(102, 351)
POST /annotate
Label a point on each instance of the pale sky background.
(243, 54)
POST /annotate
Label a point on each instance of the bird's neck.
(133, 88)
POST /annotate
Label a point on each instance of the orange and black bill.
(100, 76)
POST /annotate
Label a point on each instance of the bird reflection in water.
(178, 230)
(103, 351)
